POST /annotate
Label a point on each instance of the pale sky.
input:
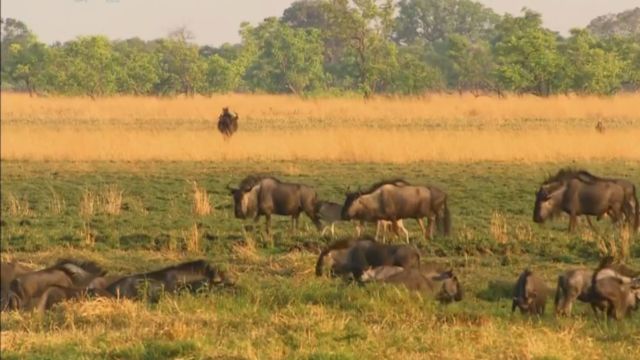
(215, 22)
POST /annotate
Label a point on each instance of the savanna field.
(137, 183)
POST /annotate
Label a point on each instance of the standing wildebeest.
(331, 212)
(227, 123)
(362, 254)
(8, 272)
(265, 195)
(65, 273)
(578, 192)
(189, 274)
(572, 285)
(612, 292)
(395, 200)
(530, 294)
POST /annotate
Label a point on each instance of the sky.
(214, 22)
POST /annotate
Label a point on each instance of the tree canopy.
(361, 46)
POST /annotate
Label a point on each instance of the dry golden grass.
(400, 130)
(112, 198)
(18, 207)
(88, 203)
(201, 201)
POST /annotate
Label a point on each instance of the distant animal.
(443, 286)
(530, 294)
(227, 123)
(65, 273)
(331, 212)
(55, 294)
(572, 285)
(580, 194)
(265, 195)
(8, 272)
(394, 200)
(600, 127)
(364, 253)
(613, 293)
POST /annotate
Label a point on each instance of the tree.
(88, 66)
(624, 24)
(183, 70)
(428, 21)
(527, 55)
(24, 59)
(287, 59)
(365, 27)
(138, 67)
(472, 63)
(413, 75)
(306, 14)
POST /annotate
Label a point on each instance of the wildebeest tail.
(320, 262)
(559, 292)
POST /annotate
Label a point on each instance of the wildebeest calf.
(530, 294)
(443, 286)
(572, 285)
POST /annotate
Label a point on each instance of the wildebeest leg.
(572, 221)
(359, 228)
(268, 223)
(432, 226)
(333, 230)
(422, 228)
(398, 225)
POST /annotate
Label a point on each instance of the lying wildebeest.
(65, 273)
(227, 123)
(8, 272)
(394, 200)
(266, 195)
(577, 192)
(613, 293)
(443, 285)
(530, 294)
(362, 254)
(331, 212)
(169, 279)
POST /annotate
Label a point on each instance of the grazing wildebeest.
(266, 195)
(8, 272)
(65, 273)
(168, 279)
(530, 294)
(362, 254)
(572, 285)
(442, 285)
(331, 212)
(227, 123)
(613, 293)
(578, 192)
(394, 200)
(600, 127)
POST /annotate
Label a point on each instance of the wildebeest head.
(245, 199)
(351, 205)
(547, 201)
(526, 291)
(451, 289)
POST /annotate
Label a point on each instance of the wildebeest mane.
(78, 269)
(379, 184)
(252, 180)
(193, 266)
(569, 173)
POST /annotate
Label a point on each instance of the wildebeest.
(168, 279)
(8, 272)
(530, 294)
(65, 273)
(227, 123)
(394, 200)
(266, 195)
(613, 293)
(442, 285)
(600, 127)
(572, 285)
(365, 253)
(330, 213)
(578, 192)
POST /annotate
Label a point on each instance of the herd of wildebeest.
(611, 288)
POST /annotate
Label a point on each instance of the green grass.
(279, 308)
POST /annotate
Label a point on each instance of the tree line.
(339, 46)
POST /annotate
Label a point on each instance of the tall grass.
(201, 201)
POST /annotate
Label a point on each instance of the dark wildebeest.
(266, 195)
(8, 272)
(355, 257)
(65, 273)
(330, 213)
(169, 279)
(612, 292)
(530, 294)
(393, 200)
(578, 192)
(572, 285)
(227, 123)
(442, 285)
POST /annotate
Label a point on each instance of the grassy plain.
(131, 215)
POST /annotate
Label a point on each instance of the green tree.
(413, 75)
(88, 66)
(527, 55)
(624, 24)
(24, 59)
(138, 67)
(428, 21)
(287, 59)
(183, 70)
(472, 64)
